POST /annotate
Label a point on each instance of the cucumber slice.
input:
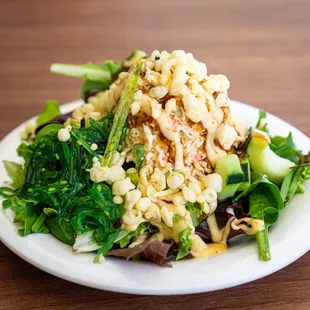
(264, 160)
(245, 166)
(229, 168)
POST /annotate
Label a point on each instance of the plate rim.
(52, 269)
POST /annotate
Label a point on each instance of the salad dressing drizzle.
(170, 130)
(211, 249)
(219, 236)
(216, 233)
(249, 225)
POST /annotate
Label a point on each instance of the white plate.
(238, 265)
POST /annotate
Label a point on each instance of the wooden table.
(262, 46)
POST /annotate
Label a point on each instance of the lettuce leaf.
(293, 182)
(285, 147)
(98, 85)
(185, 243)
(113, 66)
(25, 213)
(195, 210)
(25, 152)
(61, 230)
(15, 172)
(262, 121)
(152, 249)
(93, 85)
(139, 231)
(97, 77)
(50, 111)
(87, 71)
(176, 218)
(282, 146)
(85, 242)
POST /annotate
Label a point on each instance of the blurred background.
(262, 46)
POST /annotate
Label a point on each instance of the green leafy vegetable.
(195, 210)
(134, 177)
(135, 56)
(97, 77)
(50, 111)
(127, 238)
(104, 126)
(113, 67)
(185, 244)
(48, 129)
(94, 85)
(25, 213)
(24, 152)
(139, 152)
(264, 206)
(265, 203)
(15, 172)
(38, 225)
(176, 218)
(61, 229)
(49, 212)
(261, 181)
(57, 195)
(7, 192)
(262, 123)
(106, 247)
(121, 114)
(87, 71)
(285, 147)
(293, 182)
(282, 146)
(85, 242)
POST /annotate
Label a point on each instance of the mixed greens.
(52, 191)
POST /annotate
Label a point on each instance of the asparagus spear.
(263, 245)
(122, 113)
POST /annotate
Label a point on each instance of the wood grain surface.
(262, 46)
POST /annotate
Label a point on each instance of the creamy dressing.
(211, 249)
(251, 227)
(218, 114)
(173, 232)
(219, 236)
(213, 151)
(216, 233)
(179, 164)
(227, 230)
(171, 131)
(134, 226)
(209, 123)
(167, 126)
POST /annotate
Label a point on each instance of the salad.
(153, 166)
